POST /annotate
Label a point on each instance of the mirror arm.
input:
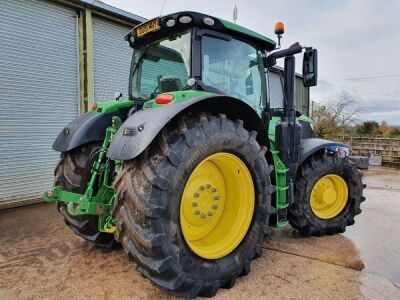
(293, 49)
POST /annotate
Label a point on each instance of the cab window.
(234, 68)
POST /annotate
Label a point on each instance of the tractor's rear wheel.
(72, 173)
(194, 207)
(328, 195)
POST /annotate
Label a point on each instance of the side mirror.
(310, 67)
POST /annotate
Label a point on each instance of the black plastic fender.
(310, 146)
(86, 128)
(139, 130)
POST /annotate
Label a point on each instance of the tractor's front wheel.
(72, 173)
(193, 208)
(328, 195)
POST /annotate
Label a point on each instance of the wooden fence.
(387, 148)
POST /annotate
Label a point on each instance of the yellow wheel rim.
(329, 196)
(217, 205)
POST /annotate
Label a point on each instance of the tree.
(368, 128)
(395, 133)
(384, 129)
(334, 117)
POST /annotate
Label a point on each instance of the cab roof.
(220, 25)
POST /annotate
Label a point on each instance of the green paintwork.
(305, 119)
(113, 106)
(87, 203)
(179, 96)
(280, 172)
(250, 33)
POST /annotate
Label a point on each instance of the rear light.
(164, 99)
(94, 106)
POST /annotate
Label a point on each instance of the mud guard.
(139, 130)
(86, 128)
(310, 146)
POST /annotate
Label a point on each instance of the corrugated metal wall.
(275, 90)
(302, 97)
(38, 93)
(276, 93)
(112, 59)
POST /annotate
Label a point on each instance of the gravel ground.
(41, 258)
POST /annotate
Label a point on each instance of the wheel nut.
(208, 186)
(195, 204)
(201, 188)
(216, 197)
(203, 216)
(197, 212)
(213, 190)
(215, 206)
(196, 195)
(210, 213)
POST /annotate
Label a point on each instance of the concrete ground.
(41, 258)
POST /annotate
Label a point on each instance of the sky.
(358, 43)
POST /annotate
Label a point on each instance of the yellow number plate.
(146, 28)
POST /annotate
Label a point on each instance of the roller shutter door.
(38, 93)
(112, 59)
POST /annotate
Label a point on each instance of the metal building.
(302, 94)
(55, 58)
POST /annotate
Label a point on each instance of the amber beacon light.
(279, 28)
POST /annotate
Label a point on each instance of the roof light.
(185, 19)
(170, 22)
(164, 99)
(208, 21)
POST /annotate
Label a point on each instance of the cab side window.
(234, 68)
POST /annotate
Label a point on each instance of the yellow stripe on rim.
(329, 196)
(217, 205)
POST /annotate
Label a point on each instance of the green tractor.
(191, 172)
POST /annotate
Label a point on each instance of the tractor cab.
(195, 51)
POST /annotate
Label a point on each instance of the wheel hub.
(207, 202)
(217, 205)
(329, 196)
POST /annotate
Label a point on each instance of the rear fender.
(86, 128)
(139, 130)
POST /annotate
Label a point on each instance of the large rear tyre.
(72, 173)
(328, 194)
(194, 207)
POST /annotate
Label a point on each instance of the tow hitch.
(88, 203)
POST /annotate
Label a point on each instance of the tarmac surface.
(41, 258)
